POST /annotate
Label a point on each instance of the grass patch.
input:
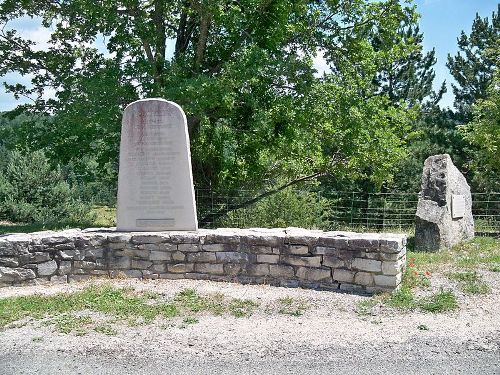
(67, 323)
(242, 307)
(106, 330)
(402, 298)
(470, 282)
(105, 216)
(117, 305)
(190, 320)
(495, 267)
(469, 254)
(365, 306)
(442, 301)
(291, 306)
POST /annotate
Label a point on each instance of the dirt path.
(332, 334)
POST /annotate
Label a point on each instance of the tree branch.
(212, 216)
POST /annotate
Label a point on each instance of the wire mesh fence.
(331, 210)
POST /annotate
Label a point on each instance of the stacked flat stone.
(287, 257)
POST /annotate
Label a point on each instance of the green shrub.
(92, 182)
(31, 190)
(287, 208)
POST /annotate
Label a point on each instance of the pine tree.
(473, 65)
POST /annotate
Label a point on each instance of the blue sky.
(441, 22)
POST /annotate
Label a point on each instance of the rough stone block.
(343, 276)
(34, 258)
(216, 247)
(136, 274)
(140, 264)
(202, 257)
(98, 272)
(223, 236)
(352, 288)
(259, 249)
(149, 246)
(160, 255)
(184, 237)
(258, 269)
(178, 256)
(313, 274)
(336, 240)
(437, 226)
(211, 268)
(313, 261)
(64, 267)
(8, 275)
(369, 242)
(392, 243)
(333, 261)
(289, 283)
(299, 236)
(119, 263)
(47, 268)
(64, 246)
(188, 247)
(268, 258)
(55, 240)
(281, 271)
(323, 250)
(133, 253)
(9, 262)
(94, 253)
(264, 237)
(297, 249)
(233, 269)
(119, 238)
(87, 265)
(393, 256)
(71, 255)
(233, 257)
(180, 267)
(367, 265)
(116, 245)
(96, 240)
(148, 239)
(392, 268)
(387, 281)
(7, 249)
(363, 278)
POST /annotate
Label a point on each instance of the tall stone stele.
(155, 181)
(444, 212)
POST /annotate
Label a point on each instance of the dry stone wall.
(287, 257)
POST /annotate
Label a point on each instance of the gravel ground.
(331, 336)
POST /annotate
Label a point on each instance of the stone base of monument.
(293, 257)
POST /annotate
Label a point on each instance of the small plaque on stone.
(155, 182)
(457, 206)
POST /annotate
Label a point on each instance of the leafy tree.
(484, 133)
(242, 70)
(473, 67)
